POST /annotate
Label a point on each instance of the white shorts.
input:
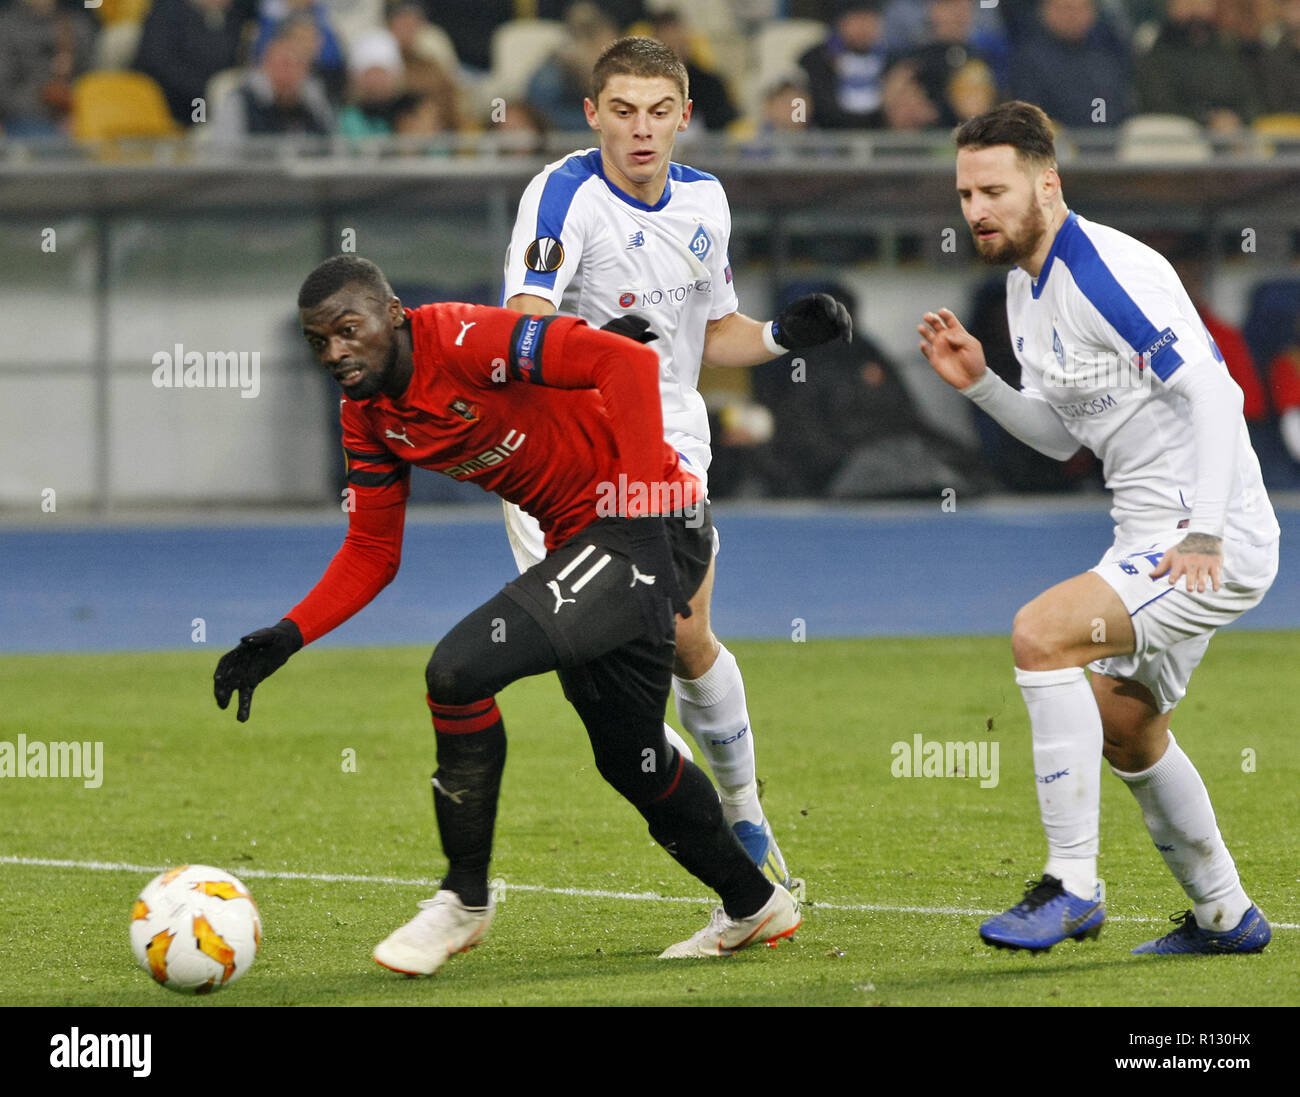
(1172, 627)
(528, 542)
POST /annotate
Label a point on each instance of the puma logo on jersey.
(399, 437)
(637, 577)
(454, 797)
(560, 600)
(465, 325)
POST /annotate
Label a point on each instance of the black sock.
(687, 821)
(465, 788)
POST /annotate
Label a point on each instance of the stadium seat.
(111, 12)
(519, 47)
(435, 44)
(109, 105)
(1274, 130)
(216, 92)
(115, 46)
(777, 49)
(1163, 138)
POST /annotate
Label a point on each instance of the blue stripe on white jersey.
(685, 174)
(557, 196)
(1102, 289)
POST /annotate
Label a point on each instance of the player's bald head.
(340, 272)
(1021, 125)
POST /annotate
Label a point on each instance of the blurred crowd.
(427, 67)
(758, 70)
(842, 421)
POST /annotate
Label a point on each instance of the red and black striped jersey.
(544, 411)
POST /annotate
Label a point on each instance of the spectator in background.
(327, 63)
(713, 105)
(1073, 66)
(560, 85)
(908, 24)
(1284, 383)
(1189, 257)
(1194, 71)
(184, 43)
(42, 52)
(846, 72)
(280, 96)
(955, 67)
(622, 13)
(785, 105)
(520, 128)
(419, 115)
(423, 74)
(376, 72)
(1279, 64)
(903, 100)
(844, 425)
(470, 24)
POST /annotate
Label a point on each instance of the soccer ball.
(195, 929)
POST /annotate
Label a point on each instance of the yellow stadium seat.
(109, 105)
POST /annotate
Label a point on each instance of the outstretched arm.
(958, 358)
(810, 321)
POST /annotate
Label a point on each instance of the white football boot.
(778, 917)
(444, 927)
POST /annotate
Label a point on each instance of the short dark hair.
(1023, 126)
(339, 271)
(638, 57)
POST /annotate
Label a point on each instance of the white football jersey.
(595, 252)
(1103, 335)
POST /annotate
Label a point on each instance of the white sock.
(712, 708)
(678, 743)
(1066, 728)
(1176, 809)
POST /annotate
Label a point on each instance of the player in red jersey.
(562, 419)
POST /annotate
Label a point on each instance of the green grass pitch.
(899, 870)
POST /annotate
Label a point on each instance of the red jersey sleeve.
(563, 352)
(368, 559)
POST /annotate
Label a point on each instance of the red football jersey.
(544, 411)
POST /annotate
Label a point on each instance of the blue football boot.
(1046, 916)
(1251, 934)
(760, 844)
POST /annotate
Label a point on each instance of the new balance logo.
(636, 240)
(399, 437)
(560, 600)
(637, 577)
(454, 797)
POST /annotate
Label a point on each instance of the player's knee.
(1033, 642)
(451, 679)
(697, 647)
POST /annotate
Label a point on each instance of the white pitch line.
(581, 893)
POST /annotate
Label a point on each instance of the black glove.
(654, 576)
(634, 327)
(259, 655)
(812, 320)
